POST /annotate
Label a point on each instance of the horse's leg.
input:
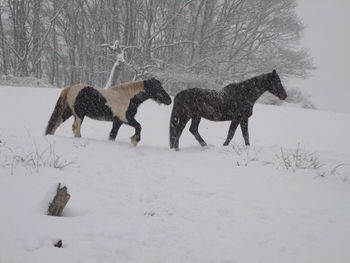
(194, 131)
(231, 131)
(137, 136)
(244, 127)
(116, 125)
(56, 120)
(180, 127)
(67, 113)
(174, 122)
(77, 125)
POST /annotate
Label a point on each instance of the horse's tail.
(57, 115)
(174, 122)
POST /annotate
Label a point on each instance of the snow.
(151, 204)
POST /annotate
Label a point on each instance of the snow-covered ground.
(151, 204)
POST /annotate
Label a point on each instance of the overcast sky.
(327, 37)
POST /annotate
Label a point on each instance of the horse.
(233, 103)
(117, 104)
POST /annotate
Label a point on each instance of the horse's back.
(72, 93)
(204, 103)
(198, 95)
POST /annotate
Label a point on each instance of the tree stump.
(59, 201)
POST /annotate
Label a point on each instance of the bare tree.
(36, 60)
(19, 12)
(216, 40)
(3, 46)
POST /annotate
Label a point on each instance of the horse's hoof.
(226, 143)
(134, 141)
(204, 144)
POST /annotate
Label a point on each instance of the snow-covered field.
(150, 204)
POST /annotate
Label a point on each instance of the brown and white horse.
(118, 104)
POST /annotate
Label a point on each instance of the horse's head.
(276, 87)
(155, 91)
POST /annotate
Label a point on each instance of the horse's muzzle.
(167, 101)
(282, 96)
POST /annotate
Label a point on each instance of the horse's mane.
(247, 83)
(135, 86)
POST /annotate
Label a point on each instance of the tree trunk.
(194, 30)
(54, 72)
(205, 29)
(3, 47)
(36, 39)
(19, 14)
(129, 32)
(149, 23)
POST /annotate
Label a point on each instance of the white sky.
(327, 37)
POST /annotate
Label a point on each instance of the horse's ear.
(274, 72)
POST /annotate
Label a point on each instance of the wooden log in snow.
(58, 244)
(59, 201)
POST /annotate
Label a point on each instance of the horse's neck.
(255, 87)
(139, 98)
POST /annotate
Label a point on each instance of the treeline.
(216, 40)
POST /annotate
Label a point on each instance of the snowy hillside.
(151, 204)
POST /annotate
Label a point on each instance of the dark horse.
(233, 103)
(118, 104)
